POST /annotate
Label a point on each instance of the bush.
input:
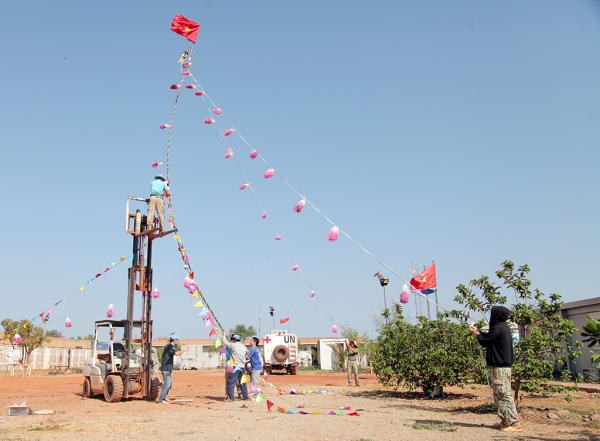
(429, 355)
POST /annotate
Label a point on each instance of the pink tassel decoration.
(68, 323)
(138, 352)
(228, 132)
(333, 234)
(199, 93)
(299, 206)
(278, 238)
(217, 111)
(142, 319)
(312, 293)
(190, 284)
(185, 72)
(156, 164)
(155, 293)
(185, 65)
(405, 294)
(175, 86)
(229, 153)
(253, 154)
(165, 126)
(243, 186)
(17, 339)
(209, 121)
(190, 86)
(269, 173)
(295, 267)
(266, 376)
(264, 215)
(111, 311)
(334, 329)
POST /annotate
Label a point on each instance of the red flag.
(212, 332)
(185, 27)
(284, 320)
(269, 405)
(425, 280)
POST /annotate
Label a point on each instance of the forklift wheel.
(113, 389)
(154, 387)
(87, 388)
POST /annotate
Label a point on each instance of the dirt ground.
(384, 414)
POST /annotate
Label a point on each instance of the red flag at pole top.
(185, 27)
(284, 320)
(425, 280)
(269, 405)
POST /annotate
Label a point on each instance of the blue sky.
(462, 132)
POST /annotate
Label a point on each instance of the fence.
(52, 357)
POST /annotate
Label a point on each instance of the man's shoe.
(357, 385)
(500, 425)
(512, 429)
(228, 399)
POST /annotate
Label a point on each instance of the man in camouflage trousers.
(499, 357)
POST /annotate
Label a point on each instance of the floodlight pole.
(385, 304)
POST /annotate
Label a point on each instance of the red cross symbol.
(267, 339)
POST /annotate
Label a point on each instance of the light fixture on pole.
(44, 320)
(272, 312)
(383, 282)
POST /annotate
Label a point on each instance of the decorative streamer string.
(50, 310)
(303, 198)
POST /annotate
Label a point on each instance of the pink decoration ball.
(264, 215)
(333, 234)
(228, 132)
(17, 339)
(185, 72)
(209, 121)
(165, 126)
(199, 93)
(299, 206)
(334, 329)
(295, 267)
(185, 65)
(156, 164)
(269, 173)
(217, 111)
(312, 293)
(278, 238)
(229, 153)
(175, 86)
(253, 154)
(243, 186)
(190, 86)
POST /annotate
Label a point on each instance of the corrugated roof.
(246, 341)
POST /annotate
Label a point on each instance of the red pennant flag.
(98, 275)
(269, 405)
(425, 280)
(284, 320)
(185, 27)
(192, 275)
(353, 414)
(42, 316)
(212, 332)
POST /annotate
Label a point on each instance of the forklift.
(123, 372)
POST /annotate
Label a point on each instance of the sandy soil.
(384, 414)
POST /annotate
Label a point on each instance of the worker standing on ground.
(158, 189)
(166, 367)
(499, 357)
(352, 357)
(238, 354)
(254, 358)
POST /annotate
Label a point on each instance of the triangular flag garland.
(68, 323)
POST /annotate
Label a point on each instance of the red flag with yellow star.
(185, 27)
(425, 280)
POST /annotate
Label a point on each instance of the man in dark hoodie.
(499, 357)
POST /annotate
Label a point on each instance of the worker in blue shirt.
(254, 358)
(158, 189)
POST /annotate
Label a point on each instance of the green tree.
(539, 353)
(32, 336)
(592, 333)
(54, 333)
(243, 331)
(428, 355)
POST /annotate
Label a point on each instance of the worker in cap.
(166, 367)
(236, 370)
(158, 189)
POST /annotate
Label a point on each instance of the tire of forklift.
(154, 388)
(113, 389)
(87, 388)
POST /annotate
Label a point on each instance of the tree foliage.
(243, 331)
(428, 355)
(539, 353)
(54, 333)
(33, 337)
(591, 332)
